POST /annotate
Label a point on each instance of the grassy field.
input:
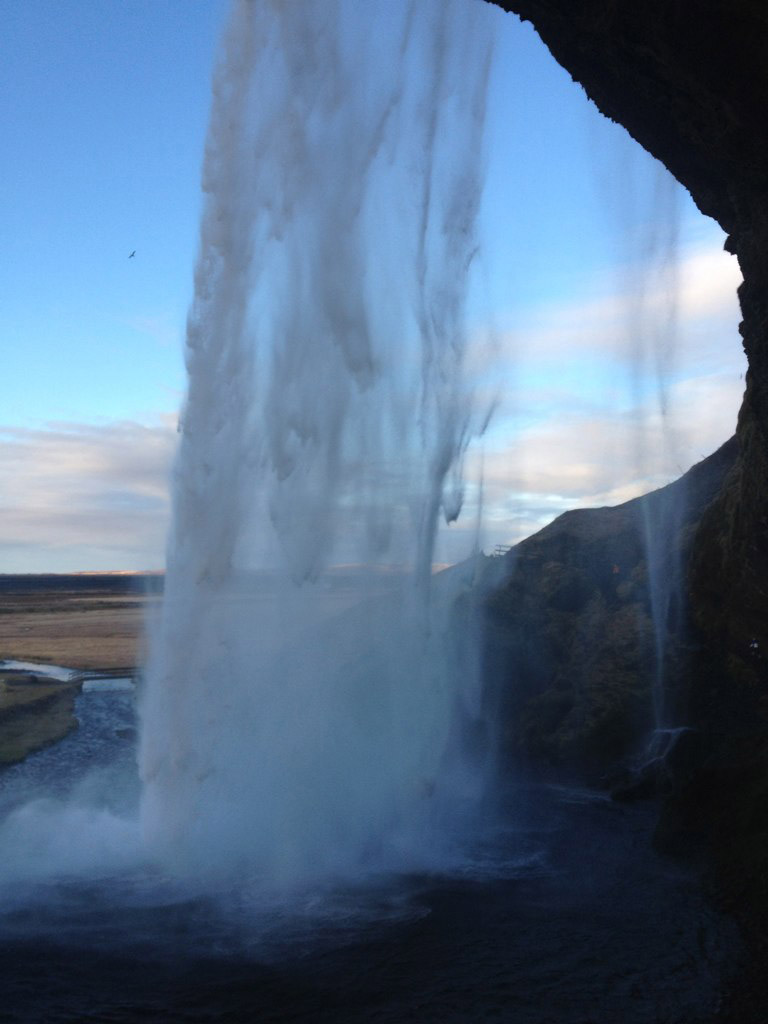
(90, 622)
(86, 622)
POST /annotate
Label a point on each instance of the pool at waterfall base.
(563, 914)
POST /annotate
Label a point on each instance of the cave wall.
(688, 79)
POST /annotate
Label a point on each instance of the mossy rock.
(34, 715)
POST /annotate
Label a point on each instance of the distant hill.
(119, 582)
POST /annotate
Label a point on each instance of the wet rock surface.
(588, 638)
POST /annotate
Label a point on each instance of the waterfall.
(652, 335)
(644, 203)
(300, 720)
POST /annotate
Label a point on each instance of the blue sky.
(104, 108)
(104, 105)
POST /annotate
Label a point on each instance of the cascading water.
(652, 310)
(645, 204)
(326, 420)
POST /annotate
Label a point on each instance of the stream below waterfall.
(564, 916)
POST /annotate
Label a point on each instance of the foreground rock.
(34, 712)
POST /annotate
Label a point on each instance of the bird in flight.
(132, 255)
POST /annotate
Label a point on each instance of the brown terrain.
(89, 622)
(93, 623)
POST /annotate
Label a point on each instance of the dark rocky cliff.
(689, 80)
(589, 640)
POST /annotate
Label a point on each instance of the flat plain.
(84, 621)
(87, 622)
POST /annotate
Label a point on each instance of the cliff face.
(686, 79)
(588, 636)
(689, 81)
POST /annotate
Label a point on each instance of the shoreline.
(34, 714)
(38, 710)
(86, 625)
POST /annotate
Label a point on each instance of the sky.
(606, 305)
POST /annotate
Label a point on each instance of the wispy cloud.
(572, 430)
(630, 302)
(578, 458)
(605, 399)
(84, 496)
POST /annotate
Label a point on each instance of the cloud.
(700, 290)
(606, 398)
(579, 458)
(84, 496)
(580, 425)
